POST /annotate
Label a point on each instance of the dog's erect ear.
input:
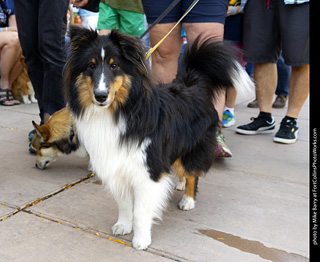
(131, 48)
(42, 131)
(81, 36)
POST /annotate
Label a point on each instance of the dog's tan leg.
(188, 199)
(191, 181)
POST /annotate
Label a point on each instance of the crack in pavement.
(92, 231)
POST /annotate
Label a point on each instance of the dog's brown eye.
(91, 66)
(113, 66)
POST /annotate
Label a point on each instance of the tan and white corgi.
(58, 136)
(22, 88)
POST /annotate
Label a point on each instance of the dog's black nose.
(101, 96)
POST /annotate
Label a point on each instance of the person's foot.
(228, 119)
(288, 131)
(280, 101)
(258, 125)
(222, 150)
(6, 98)
(31, 134)
(254, 104)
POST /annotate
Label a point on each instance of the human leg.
(27, 22)
(10, 53)
(108, 19)
(298, 89)
(265, 77)
(295, 53)
(228, 113)
(52, 18)
(164, 59)
(206, 29)
(193, 30)
(16, 70)
(216, 30)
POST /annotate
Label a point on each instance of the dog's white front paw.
(187, 203)
(121, 229)
(141, 243)
(180, 186)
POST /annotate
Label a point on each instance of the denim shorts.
(268, 29)
(205, 11)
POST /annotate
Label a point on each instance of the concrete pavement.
(251, 207)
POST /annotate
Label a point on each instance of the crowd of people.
(273, 34)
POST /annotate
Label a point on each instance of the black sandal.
(7, 96)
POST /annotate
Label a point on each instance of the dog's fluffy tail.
(215, 63)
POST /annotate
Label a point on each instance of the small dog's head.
(56, 137)
(47, 151)
(100, 69)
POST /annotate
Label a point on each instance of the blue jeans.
(284, 72)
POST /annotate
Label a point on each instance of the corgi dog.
(22, 88)
(57, 137)
(137, 131)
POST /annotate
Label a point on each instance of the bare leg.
(10, 53)
(265, 76)
(193, 30)
(231, 97)
(16, 71)
(104, 32)
(164, 59)
(298, 89)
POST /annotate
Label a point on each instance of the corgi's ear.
(42, 131)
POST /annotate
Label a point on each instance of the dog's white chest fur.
(116, 164)
(122, 167)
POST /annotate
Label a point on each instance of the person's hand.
(233, 10)
(79, 3)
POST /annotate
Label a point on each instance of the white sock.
(231, 110)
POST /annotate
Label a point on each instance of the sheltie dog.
(56, 137)
(136, 130)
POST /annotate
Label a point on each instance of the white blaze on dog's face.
(101, 69)
(104, 83)
(45, 156)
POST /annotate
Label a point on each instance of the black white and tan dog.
(56, 137)
(136, 130)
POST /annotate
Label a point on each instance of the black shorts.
(268, 30)
(205, 11)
